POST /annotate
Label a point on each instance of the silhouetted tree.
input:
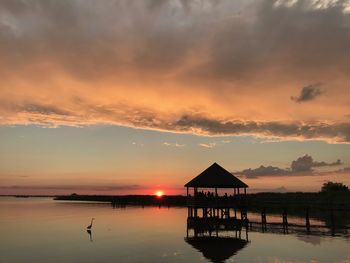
(330, 187)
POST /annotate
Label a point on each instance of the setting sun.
(159, 193)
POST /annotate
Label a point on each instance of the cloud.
(214, 144)
(262, 171)
(308, 93)
(343, 170)
(177, 145)
(322, 164)
(331, 132)
(137, 144)
(306, 163)
(302, 165)
(208, 145)
(72, 187)
(204, 67)
(82, 114)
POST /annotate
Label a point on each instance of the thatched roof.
(216, 177)
(217, 249)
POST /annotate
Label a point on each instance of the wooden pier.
(212, 211)
(217, 201)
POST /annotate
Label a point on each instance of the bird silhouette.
(90, 226)
(90, 234)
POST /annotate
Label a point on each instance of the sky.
(128, 96)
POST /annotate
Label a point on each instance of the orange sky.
(261, 70)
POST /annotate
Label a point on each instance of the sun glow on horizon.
(159, 193)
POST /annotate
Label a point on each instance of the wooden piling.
(285, 219)
(263, 219)
(332, 222)
(307, 219)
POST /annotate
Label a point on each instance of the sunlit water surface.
(43, 230)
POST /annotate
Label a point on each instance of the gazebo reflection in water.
(216, 204)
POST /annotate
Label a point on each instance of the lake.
(44, 230)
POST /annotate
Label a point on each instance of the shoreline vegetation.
(322, 201)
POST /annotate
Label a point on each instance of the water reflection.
(217, 239)
(42, 230)
(217, 249)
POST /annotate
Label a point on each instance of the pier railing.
(216, 202)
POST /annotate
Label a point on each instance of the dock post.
(285, 220)
(332, 222)
(263, 219)
(244, 216)
(307, 220)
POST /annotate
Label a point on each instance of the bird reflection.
(90, 234)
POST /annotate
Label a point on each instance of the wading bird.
(90, 226)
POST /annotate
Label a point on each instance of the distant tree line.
(331, 187)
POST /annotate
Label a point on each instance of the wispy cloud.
(137, 144)
(208, 145)
(214, 144)
(177, 145)
(72, 187)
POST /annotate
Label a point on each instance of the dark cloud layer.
(308, 93)
(121, 114)
(333, 132)
(302, 165)
(205, 67)
(238, 37)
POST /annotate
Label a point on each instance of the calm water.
(43, 230)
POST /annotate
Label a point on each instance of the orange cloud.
(225, 68)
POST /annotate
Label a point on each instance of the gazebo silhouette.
(215, 216)
(215, 178)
